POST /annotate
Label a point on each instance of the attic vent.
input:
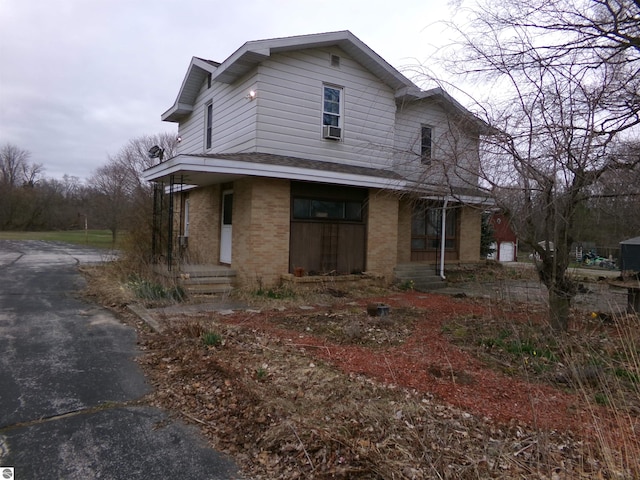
(335, 61)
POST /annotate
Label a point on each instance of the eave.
(199, 69)
(203, 170)
(252, 53)
(450, 104)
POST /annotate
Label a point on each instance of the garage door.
(507, 252)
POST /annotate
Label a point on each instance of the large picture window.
(328, 229)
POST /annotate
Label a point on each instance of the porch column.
(382, 233)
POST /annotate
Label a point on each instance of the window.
(426, 229)
(425, 144)
(316, 209)
(208, 125)
(332, 106)
(186, 215)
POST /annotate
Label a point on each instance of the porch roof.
(209, 169)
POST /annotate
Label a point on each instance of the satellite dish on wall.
(156, 152)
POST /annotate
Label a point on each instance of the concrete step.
(424, 277)
(414, 269)
(429, 286)
(198, 271)
(203, 279)
(209, 289)
(206, 280)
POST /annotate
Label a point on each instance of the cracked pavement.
(71, 395)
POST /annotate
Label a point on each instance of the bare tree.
(122, 197)
(567, 99)
(15, 168)
(18, 177)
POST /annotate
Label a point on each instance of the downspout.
(444, 237)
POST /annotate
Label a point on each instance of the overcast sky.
(80, 78)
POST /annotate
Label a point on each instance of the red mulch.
(428, 362)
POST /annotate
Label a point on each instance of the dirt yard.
(313, 387)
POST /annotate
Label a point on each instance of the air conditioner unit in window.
(332, 133)
(183, 241)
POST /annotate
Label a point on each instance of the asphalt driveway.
(70, 389)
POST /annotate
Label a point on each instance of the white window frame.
(208, 125)
(340, 113)
(426, 157)
(186, 215)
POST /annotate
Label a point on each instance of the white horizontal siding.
(454, 154)
(233, 126)
(290, 109)
(191, 129)
(286, 119)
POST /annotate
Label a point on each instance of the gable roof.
(249, 55)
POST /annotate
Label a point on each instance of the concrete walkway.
(595, 295)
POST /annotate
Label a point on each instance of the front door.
(225, 229)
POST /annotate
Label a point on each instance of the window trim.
(187, 220)
(208, 125)
(426, 149)
(340, 114)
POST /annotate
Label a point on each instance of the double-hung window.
(426, 144)
(332, 102)
(208, 125)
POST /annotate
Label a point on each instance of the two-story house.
(313, 154)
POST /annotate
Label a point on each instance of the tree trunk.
(559, 304)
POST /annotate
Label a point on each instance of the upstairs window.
(208, 125)
(425, 145)
(331, 106)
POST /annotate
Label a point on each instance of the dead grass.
(324, 393)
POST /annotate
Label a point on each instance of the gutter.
(443, 237)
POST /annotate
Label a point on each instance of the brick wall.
(470, 223)
(382, 233)
(204, 225)
(404, 231)
(261, 220)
